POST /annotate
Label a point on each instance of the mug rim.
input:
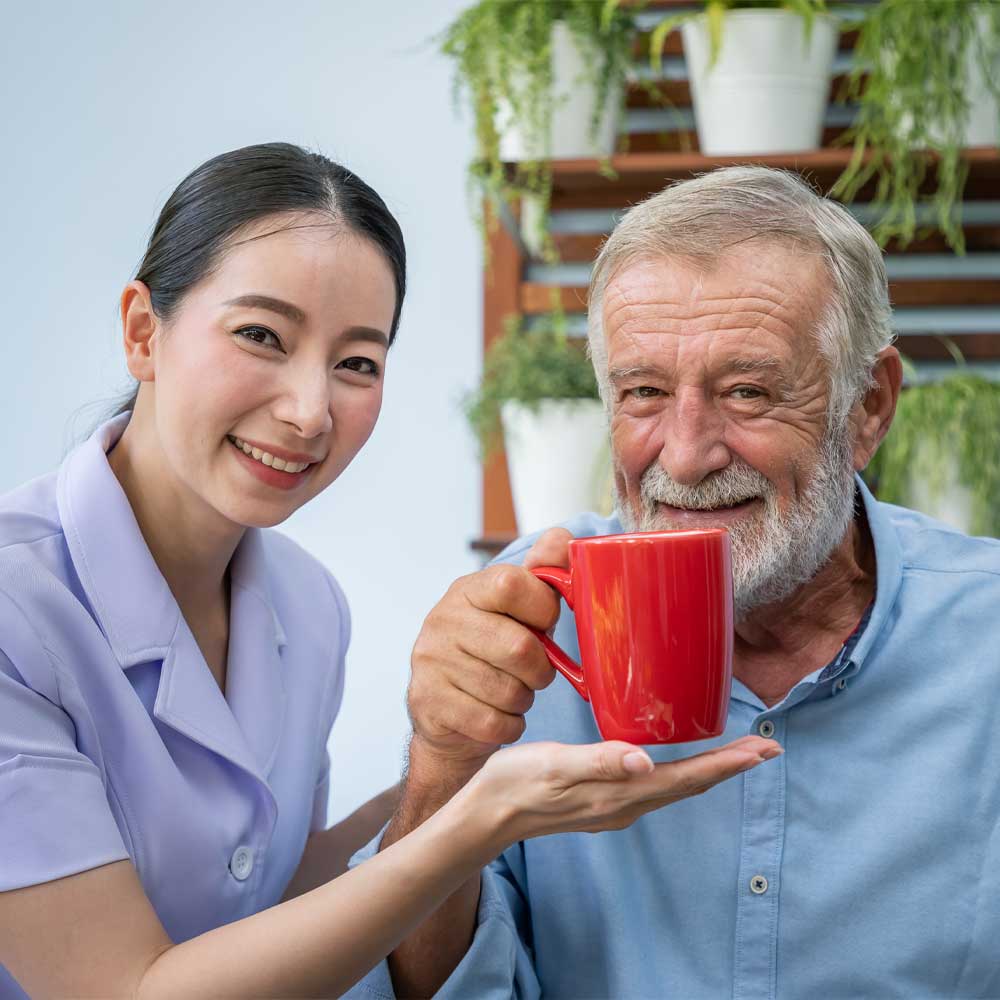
(646, 536)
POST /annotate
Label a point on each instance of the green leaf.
(658, 38)
(716, 12)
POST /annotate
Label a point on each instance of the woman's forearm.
(327, 852)
(321, 943)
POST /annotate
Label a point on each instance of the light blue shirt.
(864, 862)
(116, 741)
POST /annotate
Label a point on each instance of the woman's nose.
(305, 403)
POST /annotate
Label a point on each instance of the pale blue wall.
(105, 106)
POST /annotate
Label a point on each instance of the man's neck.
(779, 644)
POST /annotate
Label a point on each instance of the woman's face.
(268, 378)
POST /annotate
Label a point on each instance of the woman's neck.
(190, 543)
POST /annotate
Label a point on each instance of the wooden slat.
(536, 298)
(677, 93)
(500, 300)
(945, 292)
(686, 140)
(579, 248)
(675, 47)
(974, 346)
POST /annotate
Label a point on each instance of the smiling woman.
(170, 669)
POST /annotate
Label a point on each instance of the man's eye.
(363, 366)
(259, 335)
(747, 392)
(644, 392)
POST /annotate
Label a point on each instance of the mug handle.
(562, 581)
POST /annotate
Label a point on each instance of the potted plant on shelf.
(926, 78)
(545, 80)
(759, 72)
(942, 453)
(538, 385)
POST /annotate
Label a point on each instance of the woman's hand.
(539, 788)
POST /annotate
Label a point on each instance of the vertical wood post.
(501, 298)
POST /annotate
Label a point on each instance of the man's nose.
(693, 438)
(304, 402)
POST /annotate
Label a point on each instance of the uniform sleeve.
(55, 819)
(498, 965)
(332, 700)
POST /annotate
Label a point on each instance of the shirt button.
(766, 729)
(758, 884)
(841, 684)
(241, 863)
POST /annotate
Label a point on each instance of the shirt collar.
(129, 596)
(888, 572)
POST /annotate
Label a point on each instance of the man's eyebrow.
(740, 366)
(635, 371)
(286, 309)
(750, 366)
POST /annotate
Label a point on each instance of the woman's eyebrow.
(368, 333)
(286, 309)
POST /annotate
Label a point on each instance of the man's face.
(719, 403)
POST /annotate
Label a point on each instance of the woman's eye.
(363, 366)
(259, 335)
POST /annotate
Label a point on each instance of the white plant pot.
(574, 100)
(769, 87)
(982, 127)
(557, 458)
(951, 503)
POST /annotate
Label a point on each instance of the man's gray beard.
(773, 553)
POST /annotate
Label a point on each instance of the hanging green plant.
(503, 66)
(951, 423)
(911, 79)
(528, 365)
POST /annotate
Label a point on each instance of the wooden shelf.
(581, 183)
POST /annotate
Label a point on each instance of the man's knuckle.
(507, 582)
(524, 645)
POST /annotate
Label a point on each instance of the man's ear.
(872, 416)
(139, 325)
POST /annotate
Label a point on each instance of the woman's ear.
(872, 417)
(139, 326)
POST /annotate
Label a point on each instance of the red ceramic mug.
(654, 616)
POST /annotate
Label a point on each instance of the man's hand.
(477, 663)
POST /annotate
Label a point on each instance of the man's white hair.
(698, 221)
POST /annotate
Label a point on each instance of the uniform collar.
(142, 622)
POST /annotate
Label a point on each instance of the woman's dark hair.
(236, 188)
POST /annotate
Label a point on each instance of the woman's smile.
(270, 468)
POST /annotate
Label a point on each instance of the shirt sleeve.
(498, 965)
(333, 698)
(55, 819)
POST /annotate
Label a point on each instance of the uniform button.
(241, 863)
(758, 884)
(841, 684)
(766, 729)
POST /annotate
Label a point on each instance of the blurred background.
(568, 111)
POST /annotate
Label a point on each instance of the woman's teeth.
(266, 458)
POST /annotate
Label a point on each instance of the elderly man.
(740, 330)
